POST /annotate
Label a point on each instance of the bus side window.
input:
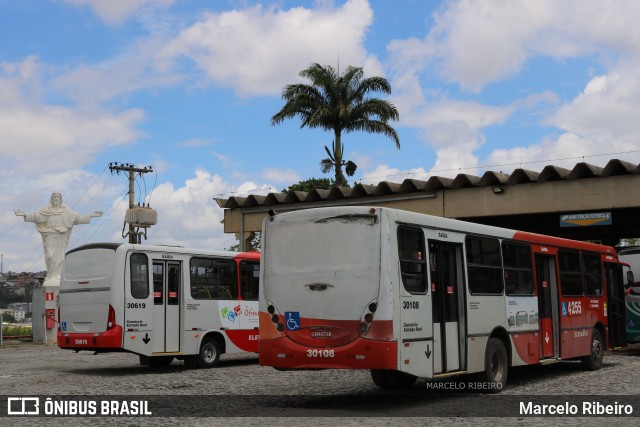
(485, 266)
(173, 285)
(249, 278)
(139, 276)
(213, 278)
(158, 278)
(413, 262)
(518, 268)
(570, 276)
(592, 274)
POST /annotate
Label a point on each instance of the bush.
(16, 331)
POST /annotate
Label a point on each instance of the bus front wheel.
(593, 361)
(207, 357)
(496, 365)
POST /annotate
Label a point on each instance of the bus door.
(416, 350)
(547, 285)
(166, 306)
(616, 304)
(447, 299)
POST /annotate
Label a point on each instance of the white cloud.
(607, 109)
(478, 42)
(114, 12)
(386, 173)
(285, 177)
(47, 137)
(598, 123)
(135, 68)
(453, 128)
(257, 50)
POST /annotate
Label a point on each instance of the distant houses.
(21, 311)
(16, 293)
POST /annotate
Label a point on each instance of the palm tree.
(339, 103)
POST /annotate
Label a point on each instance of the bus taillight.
(367, 318)
(111, 320)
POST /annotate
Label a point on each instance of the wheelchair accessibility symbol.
(293, 320)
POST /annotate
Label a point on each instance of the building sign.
(585, 219)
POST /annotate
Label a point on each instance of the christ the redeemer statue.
(54, 223)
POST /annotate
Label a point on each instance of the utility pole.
(131, 171)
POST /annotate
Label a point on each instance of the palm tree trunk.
(337, 155)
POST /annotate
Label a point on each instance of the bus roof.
(163, 248)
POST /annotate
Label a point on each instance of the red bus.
(408, 295)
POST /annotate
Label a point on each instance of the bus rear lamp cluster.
(274, 318)
(111, 320)
(368, 318)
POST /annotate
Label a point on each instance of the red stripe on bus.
(565, 243)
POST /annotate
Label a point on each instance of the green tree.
(8, 318)
(311, 184)
(339, 103)
(629, 242)
(255, 244)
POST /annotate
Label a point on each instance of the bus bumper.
(111, 339)
(359, 354)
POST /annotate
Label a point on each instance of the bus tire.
(388, 379)
(209, 353)
(593, 361)
(496, 365)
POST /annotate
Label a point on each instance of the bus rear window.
(88, 264)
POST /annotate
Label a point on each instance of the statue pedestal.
(45, 314)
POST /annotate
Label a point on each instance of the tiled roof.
(435, 183)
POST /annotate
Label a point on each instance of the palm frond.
(326, 165)
(339, 103)
(350, 168)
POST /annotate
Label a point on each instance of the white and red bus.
(408, 295)
(159, 302)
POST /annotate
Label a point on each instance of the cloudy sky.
(189, 87)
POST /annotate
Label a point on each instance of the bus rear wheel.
(593, 361)
(388, 379)
(496, 365)
(207, 357)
